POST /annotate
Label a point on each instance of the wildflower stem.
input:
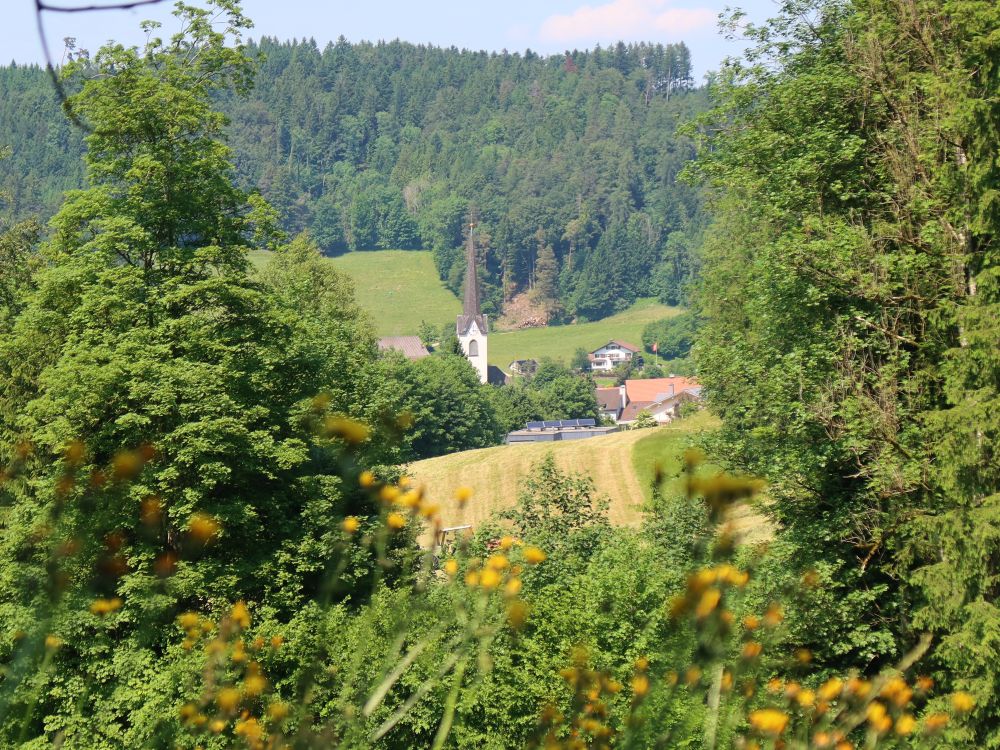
(419, 693)
(449, 708)
(390, 679)
(712, 720)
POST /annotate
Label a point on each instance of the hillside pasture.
(399, 289)
(560, 342)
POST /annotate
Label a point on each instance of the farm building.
(411, 346)
(523, 367)
(563, 429)
(611, 402)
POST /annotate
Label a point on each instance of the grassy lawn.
(399, 288)
(665, 446)
(559, 342)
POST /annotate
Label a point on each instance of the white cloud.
(625, 19)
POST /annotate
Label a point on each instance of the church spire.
(470, 307)
(471, 312)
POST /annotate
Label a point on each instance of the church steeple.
(471, 312)
(471, 325)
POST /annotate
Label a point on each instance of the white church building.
(472, 327)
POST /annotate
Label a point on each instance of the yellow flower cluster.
(238, 706)
(589, 727)
(101, 607)
(705, 590)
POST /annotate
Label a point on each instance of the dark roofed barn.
(411, 346)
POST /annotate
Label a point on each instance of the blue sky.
(545, 26)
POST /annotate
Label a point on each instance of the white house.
(611, 355)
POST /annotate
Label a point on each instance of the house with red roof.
(661, 397)
(612, 354)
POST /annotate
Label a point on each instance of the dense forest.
(568, 161)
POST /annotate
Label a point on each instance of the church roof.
(470, 304)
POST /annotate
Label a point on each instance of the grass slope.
(399, 288)
(616, 463)
(559, 342)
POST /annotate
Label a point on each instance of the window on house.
(473, 348)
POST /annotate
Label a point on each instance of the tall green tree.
(849, 299)
(147, 348)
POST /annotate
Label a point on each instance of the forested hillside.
(568, 161)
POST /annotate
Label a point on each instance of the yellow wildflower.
(517, 614)
(708, 602)
(366, 479)
(905, 724)
(773, 616)
(462, 495)
(105, 606)
(451, 567)
(254, 684)
(188, 620)
(350, 524)
(768, 721)
(506, 543)
(962, 702)
(227, 699)
(640, 685)
(395, 521)
(203, 527)
(533, 555)
(489, 579)
(278, 711)
(241, 615)
(250, 729)
(513, 587)
(935, 723)
(831, 688)
(497, 562)
(188, 711)
(350, 430)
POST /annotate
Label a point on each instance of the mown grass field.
(620, 464)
